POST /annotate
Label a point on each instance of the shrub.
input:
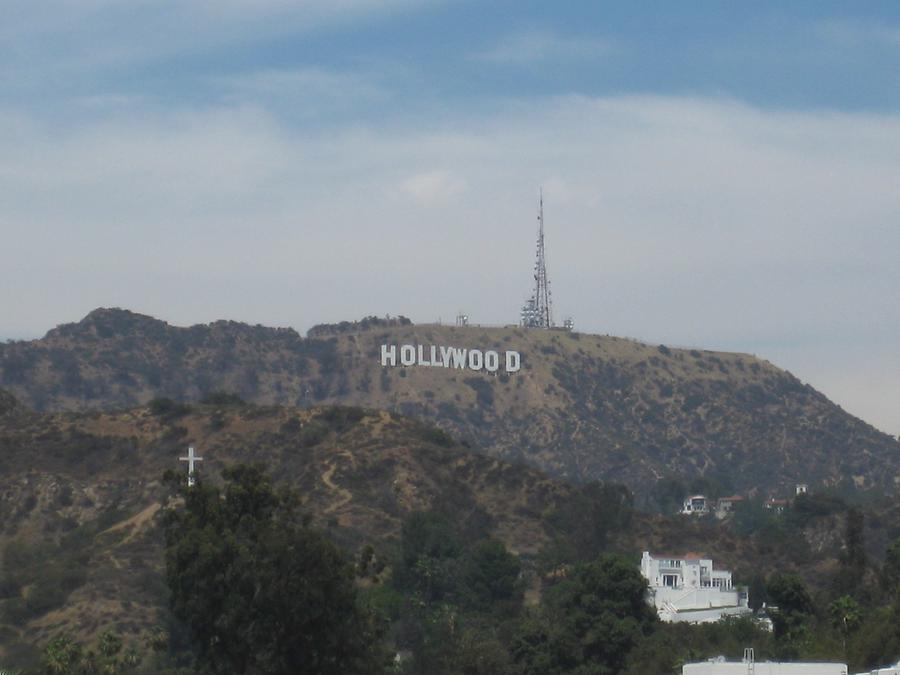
(484, 392)
(222, 398)
(167, 408)
(291, 426)
(312, 434)
(341, 418)
(436, 436)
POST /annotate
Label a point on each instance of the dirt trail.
(345, 495)
(137, 522)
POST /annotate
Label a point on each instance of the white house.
(689, 589)
(695, 505)
(726, 505)
(748, 666)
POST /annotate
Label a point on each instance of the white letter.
(407, 355)
(476, 359)
(491, 361)
(434, 360)
(446, 353)
(459, 357)
(422, 361)
(513, 362)
(385, 355)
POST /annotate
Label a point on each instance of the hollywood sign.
(450, 357)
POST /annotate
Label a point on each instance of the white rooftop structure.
(748, 666)
(689, 589)
(888, 670)
(763, 668)
(695, 505)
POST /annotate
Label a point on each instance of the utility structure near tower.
(538, 310)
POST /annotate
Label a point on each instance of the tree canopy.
(593, 619)
(259, 590)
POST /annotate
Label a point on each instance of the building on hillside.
(725, 505)
(801, 489)
(695, 505)
(776, 505)
(688, 589)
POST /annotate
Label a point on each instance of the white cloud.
(677, 220)
(432, 187)
(533, 47)
(852, 33)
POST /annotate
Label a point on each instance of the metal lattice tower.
(538, 310)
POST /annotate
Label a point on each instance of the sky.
(715, 174)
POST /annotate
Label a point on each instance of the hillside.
(80, 497)
(581, 407)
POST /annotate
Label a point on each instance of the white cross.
(190, 459)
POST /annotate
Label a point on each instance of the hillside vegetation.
(81, 499)
(583, 406)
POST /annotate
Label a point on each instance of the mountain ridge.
(582, 407)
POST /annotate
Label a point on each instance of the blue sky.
(431, 54)
(717, 174)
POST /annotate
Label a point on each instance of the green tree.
(543, 647)
(757, 592)
(259, 589)
(460, 644)
(793, 606)
(593, 620)
(891, 570)
(845, 616)
(430, 554)
(64, 656)
(849, 578)
(751, 517)
(587, 518)
(855, 543)
(480, 652)
(673, 644)
(490, 577)
(668, 495)
(877, 641)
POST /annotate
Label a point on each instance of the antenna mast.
(538, 311)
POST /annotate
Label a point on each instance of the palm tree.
(845, 616)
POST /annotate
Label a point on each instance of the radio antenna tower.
(538, 310)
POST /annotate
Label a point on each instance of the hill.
(80, 496)
(582, 406)
(80, 499)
